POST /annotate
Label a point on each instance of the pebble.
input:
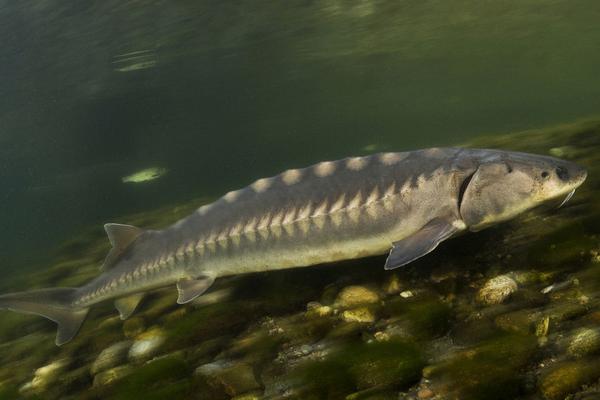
(497, 289)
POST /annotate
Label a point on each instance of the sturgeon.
(403, 204)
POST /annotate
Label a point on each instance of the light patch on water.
(145, 175)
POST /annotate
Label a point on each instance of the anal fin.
(127, 305)
(189, 289)
(420, 243)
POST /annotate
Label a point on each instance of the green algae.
(359, 366)
(487, 371)
(429, 317)
(160, 379)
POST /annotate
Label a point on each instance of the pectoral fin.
(422, 242)
(127, 305)
(189, 289)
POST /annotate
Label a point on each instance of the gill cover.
(495, 193)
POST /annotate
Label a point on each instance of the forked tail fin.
(54, 304)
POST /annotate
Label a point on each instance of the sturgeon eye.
(562, 173)
(545, 174)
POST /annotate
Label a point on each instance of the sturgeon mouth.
(571, 193)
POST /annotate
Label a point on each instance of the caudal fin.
(54, 304)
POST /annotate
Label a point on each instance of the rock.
(541, 329)
(567, 377)
(233, 377)
(249, 396)
(376, 393)
(112, 375)
(406, 294)
(425, 393)
(77, 378)
(45, 376)
(297, 355)
(111, 357)
(520, 321)
(497, 289)
(316, 309)
(146, 345)
(381, 364)
(133, 327)
(382, 336)
(361, 315)
(175, 315)
(216, 296)
(584, 341)
(399, 330)
(352, 296)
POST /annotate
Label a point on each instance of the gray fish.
(403, 204)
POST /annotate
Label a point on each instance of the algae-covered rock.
(360, 314)
(567, 377)
(316, 309)
(167, 377)
(110, 357)
(520, 321)
(489, 370)
(352, 296)
(233, 376)
(249, 396)
(362, 366)
(112, 375)
(48, 374)
(133, 326)
(146, 345)
(584, 341)
(497, 290)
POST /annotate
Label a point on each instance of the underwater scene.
(146, 112)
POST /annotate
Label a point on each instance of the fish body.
(401, 203)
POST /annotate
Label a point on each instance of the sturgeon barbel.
(401, 203)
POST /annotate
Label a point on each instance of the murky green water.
(215, 94)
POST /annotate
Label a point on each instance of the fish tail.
(55, 304)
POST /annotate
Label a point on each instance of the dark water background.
(235, 90)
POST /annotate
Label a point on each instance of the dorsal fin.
(120, 237)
